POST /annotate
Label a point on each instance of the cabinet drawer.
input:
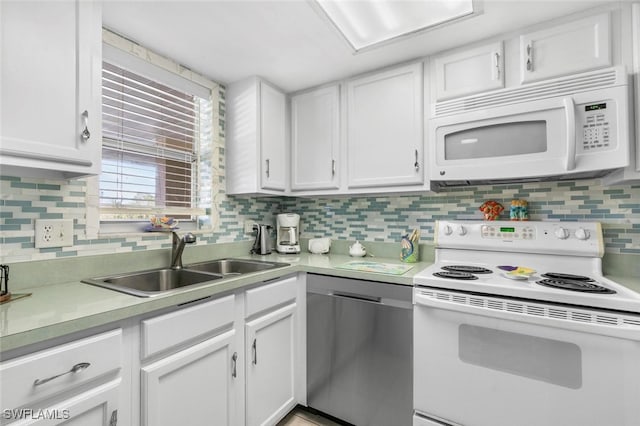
(270, 295)
(172, 329)
(32, 377)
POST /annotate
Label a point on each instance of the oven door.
(582, 133)
(481, 361)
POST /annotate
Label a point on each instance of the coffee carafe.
(288, 233)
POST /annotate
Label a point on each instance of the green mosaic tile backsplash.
(380, 218)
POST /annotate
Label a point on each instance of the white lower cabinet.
(189, 365)
(271, 367)
(95, 407)
(74, 383)
(196, 386)
(230, 361)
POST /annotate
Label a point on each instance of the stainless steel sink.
(160, 281)
(153, 282)
(227, 267)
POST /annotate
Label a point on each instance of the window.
(156, 147)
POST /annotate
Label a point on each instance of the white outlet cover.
(53, 233)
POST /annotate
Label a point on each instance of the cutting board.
(380, 268)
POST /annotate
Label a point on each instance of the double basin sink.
(160, 281)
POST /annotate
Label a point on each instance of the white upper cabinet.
(273, 137)
(572, 47)
(474, 70)
(384, 128)
(50, 86)
(256, 146)
(315, 139)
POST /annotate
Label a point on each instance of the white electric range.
(515, 323)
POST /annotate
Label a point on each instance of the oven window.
(551, 361)
(497, 140)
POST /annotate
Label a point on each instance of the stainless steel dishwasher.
(359, 350)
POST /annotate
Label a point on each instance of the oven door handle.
(539, 315)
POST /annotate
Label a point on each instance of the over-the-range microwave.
(566, 128)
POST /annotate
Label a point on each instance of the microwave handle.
(570, 115)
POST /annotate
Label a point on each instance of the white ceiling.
(288, 43)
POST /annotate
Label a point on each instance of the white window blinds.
(153, 137)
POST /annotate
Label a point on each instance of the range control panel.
(578, 238)
(512, 231)
(596, 126)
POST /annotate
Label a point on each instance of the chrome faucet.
(177, 246)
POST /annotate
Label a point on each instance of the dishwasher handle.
(361, 297)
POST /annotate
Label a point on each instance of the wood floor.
(300, 417)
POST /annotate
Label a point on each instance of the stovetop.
(567, 271)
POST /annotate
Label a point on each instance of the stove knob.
(582, 234)
(562, 233)
(462, 230)
(447, 230)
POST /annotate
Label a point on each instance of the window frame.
(126, 53)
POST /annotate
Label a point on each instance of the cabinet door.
(95, 407)
(273, 137)
(385, 119)
(475, 70)
(50, 85)
(270, 344)
(194, 387)
(577, 46)
(315, 139)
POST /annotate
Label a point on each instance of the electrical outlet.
(248, 226)
(54, 233)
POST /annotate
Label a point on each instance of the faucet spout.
(177, 247)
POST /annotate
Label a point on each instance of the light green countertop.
(61, 304)
(58, 309)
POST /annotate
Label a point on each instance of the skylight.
(366, 23)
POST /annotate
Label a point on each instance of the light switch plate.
(54, 233)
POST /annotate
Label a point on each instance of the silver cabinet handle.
(497, 59)
(75, 369)
(114, 418)
(416, 165)
(234, 363)
(529, 58)
(86, 134)
(333, 168)
(254, 351)
(267, 167)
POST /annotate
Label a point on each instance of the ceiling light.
(367, 23)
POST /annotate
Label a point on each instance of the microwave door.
(520, 141)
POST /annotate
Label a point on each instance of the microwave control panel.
(596, 124)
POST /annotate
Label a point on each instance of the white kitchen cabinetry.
(76, 383)
(474, 70)
(95, 407)
(50, 87)
(272, 346)
(384, 128)
(572, 47)
(195, 386)
(315, 139)
(256, 148)
(197, 383)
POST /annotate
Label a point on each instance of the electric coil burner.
(455, 275)
(467, 268)
(575, 285)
